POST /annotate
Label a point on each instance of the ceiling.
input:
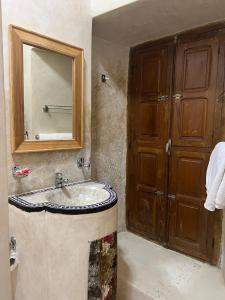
(99, 7)
(146, 20)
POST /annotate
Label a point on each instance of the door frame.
(211, 30)
(5, 283)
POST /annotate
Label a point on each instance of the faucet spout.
(59, 180)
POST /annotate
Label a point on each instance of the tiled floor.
(147, 271)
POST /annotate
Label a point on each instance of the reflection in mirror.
(47, 78)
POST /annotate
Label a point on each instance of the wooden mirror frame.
(18, 37)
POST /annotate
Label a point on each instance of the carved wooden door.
(149, 117)
(166, 193)
(193, 109)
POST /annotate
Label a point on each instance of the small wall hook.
(104, 78)
(82, 164)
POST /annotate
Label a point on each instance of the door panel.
(193, 121)
(153, 79)
(188, 218)
(150, 191)
(192, 138)
(152, 75)
(146, 214)
(151, 169)
(149, 123)
(149, 127)
(196, 72)
(148, 161)
(195, 84)
(150, 79)
(166, 192)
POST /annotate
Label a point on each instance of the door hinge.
(172, 197)
(168, 146)
(221, 98)
(177, 97)
(175, 39)
(162, 98)
(213, 243)
(159, 193)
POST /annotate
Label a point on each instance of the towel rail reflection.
(48, 107)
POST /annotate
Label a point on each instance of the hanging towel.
(54, 136)
(215, 179)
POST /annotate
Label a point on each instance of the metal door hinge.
(172, 197)
(159, 193)
(175, 39)
(168, 147)
(221, 98)
(162, 98)
(177, 97)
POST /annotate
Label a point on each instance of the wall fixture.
(60, 181)
(12, 254)
(20, 172)
(46, 107)
(82, 164)
(104, 78)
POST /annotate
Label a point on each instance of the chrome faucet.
(59, 180)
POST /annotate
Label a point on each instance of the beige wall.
(70, 22)
(109, 108)
(4, 235)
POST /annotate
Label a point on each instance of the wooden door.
(149, 117)
(192, 140)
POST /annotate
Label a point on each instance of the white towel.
(55, 136)
(215, 179)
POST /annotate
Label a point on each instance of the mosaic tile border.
(102, 271)
(17, 201)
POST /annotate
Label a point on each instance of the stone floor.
(147, 271)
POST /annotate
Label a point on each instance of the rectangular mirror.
(47, 93)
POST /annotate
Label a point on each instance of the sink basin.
(74, 198)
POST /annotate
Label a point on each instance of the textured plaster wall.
(69, 21)
(109, 109)
(4, 234)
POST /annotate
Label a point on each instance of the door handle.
(168, 146)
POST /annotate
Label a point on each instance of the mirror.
(47, 93)
(47, 78)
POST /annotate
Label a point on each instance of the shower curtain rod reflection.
(48, 107)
